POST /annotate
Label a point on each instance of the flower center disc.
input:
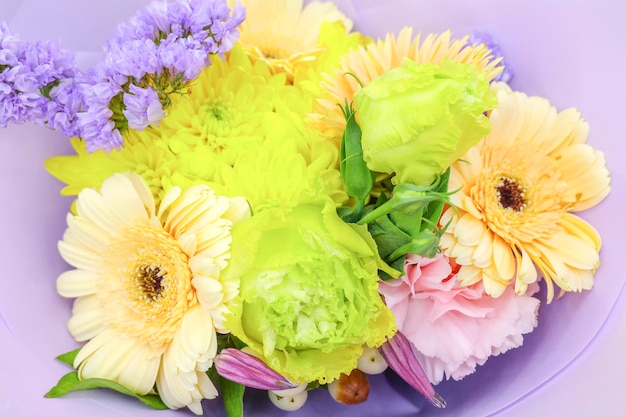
(145, 288)
(149, 279)
(510, 194)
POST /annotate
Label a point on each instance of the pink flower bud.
(245, 369)
(398, 353)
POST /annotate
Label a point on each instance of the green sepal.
(47, 89)
(357, 177)
(388, 236)
(409, 198)
(232, 396)
(433, 211)
(424, 243)
(68, 357)
(70, 383)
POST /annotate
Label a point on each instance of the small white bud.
(371, 361)
(292, 403)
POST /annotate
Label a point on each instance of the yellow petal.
(79, 256)
(503, 259)
(140, 371)
(86, 321)
(585, 171)
(209, 291)
(77, 283)
(469, 275)
(578, 227)
(469, 230)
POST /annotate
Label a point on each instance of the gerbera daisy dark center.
(150, 279)
(510, 194)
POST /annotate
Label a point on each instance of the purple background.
(570, 52)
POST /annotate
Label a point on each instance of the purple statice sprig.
(37, 84)
(150, 58)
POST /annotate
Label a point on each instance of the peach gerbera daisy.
(517, 189)
(285, 34)
(150, 299)
(362, 65)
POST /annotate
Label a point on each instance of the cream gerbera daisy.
(285, 34)
(362, 65)
(150, 299)
(517, 189)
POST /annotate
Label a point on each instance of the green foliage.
(232, 396)
(70, 383)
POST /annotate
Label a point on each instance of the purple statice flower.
(132, 58)
(152, 56)
(37, 83)
(182, 32)
(66, 100)
(143, 107)
(96, 124)
(183, 56)
(478, 38)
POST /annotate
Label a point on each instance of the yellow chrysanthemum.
(145, 153)
(360, 66)
(150, 297)
(284, 34)
(277, 175)
(517, 189)
(232, 106)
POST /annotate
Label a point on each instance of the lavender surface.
(566, 51)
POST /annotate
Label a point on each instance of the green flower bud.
(418, 119)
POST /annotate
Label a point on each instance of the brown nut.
(350, 389)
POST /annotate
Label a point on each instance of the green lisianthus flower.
(308, 297)
(418, 119)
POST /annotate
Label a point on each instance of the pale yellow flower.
(362, 65)
(284, 33)
(517, 189)
(150, 299)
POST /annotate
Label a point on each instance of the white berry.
(292, 403)
(371, 361)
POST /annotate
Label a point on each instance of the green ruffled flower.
(308, 291)
(418, 119)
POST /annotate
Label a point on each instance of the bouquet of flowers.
(266, 198)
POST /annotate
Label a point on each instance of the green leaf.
(388, 236)
(70, 383)
(68, 357)
(232, 396)
(46, 89)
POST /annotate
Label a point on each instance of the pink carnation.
(454, 328)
